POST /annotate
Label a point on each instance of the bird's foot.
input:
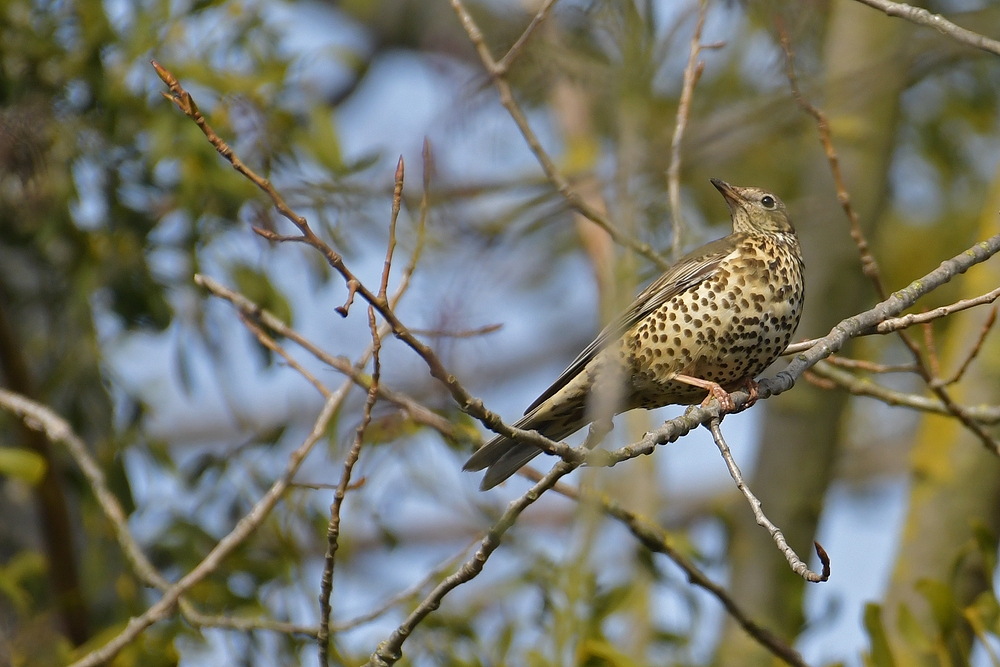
(725, 400)
(714, 389)
(752, 388)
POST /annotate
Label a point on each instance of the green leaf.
(609, 601)
(256, 286)
(22, 464)
(988, 544)
(911, 630)
(16, 576)
(600, 652)
(390, 428)
(987, 610)
(942, 602)
(881, 654)
(322, 140)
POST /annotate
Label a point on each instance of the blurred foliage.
(110, 200)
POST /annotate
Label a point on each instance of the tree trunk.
(955, 487)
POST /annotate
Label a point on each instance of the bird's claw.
(752, 389)
(722, 396)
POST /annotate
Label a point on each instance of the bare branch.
(861, 386)
(333, 530)
(466, 401)
(658, 540)
(397, 197)
(390, 650)
(929, 372)
(200, 620)
(42, 418)
(416, 411)
(798, 567)
(974, 352)
(870, 366)
(897, 323)
(402, 596)
(58, 430)
(249, 523)
(692, 72)
(503, 65)
(868, 264)
(944, 26)
(559, 181)
(270, 344)
(466, 333)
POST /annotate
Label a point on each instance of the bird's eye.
(767, 201)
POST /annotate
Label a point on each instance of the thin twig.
(333, 530)
(272, 345)
(861, 386)
(796, 563)
(503, 65)
(247, 525)
(870, 366)
(200, 620)
(403, 595)
(868, 264)
(397, 198)
(944, 26)
(466, 333)
(58, 430)
(559, 181)
(465, 400)
(657, 540)
(416, 411)
(897, 323)
(390, 651)
(692, 72)
(42, 418)
(974, 352)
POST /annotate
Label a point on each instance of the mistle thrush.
(707, 326)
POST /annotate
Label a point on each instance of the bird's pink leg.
(714, 389)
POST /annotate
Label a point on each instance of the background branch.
(923, 17)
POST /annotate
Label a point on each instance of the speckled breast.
(725, 329)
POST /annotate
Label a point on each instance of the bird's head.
(754, 211)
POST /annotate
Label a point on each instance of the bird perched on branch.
(707, 326)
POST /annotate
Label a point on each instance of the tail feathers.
(503, 456)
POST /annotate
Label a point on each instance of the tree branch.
(577, 202)
(658, 540)
(692, 72)
(796, 563)
(249, 523)
(944, 26)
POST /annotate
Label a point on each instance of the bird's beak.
(732, 197)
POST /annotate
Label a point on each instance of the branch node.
(352, 289)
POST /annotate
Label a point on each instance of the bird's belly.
(718, 332)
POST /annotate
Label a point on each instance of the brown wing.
(689, 271)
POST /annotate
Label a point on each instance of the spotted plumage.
(712, 322)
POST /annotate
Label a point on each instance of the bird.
(707, 326)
